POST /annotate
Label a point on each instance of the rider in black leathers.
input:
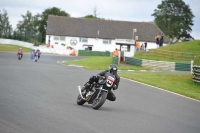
(112, 69)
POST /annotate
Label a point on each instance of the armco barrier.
(158, 65)
(115, 60)
(92, 53)
(196, 74)
(133, 61)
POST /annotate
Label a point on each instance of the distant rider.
(112, 69)
(20, 52)
(38, 52)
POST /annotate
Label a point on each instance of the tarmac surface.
(40, 97)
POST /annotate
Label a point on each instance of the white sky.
(126, 10)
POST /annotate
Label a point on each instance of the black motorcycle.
(36, 57)
(98, 92)
(19, 56)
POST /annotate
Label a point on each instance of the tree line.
(173, 17)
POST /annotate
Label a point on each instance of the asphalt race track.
(40, 97)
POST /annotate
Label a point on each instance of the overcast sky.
(126, 10)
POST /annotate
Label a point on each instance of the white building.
(99, 34)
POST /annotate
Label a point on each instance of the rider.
(112, 69)
(39, 53)
(20, 52)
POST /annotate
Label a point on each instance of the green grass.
(100, 63)
(186, 47)
(178, 83)
(189, 47)
(13, 48)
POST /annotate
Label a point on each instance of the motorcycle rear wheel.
(98, 102)
(79, 100)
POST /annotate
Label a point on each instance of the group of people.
(143, 47)
(187, 37)
(33, 52)
(159, 40)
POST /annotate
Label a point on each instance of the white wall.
(16, 42)
(96, 42)
(43, 49)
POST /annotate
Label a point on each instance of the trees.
(27, 28)
(42, 23)
(92, 16)
(29, 23)
(5, 27)
(173, 17)
(89, 16)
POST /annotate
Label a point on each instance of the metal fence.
(158, 65)
(170, 55)
(196, 74)
(92, 53)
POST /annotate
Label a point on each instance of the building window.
(106, 41)
(62, 38)
(83, 40)
(63, 44)
(56, 38)
(56, 42)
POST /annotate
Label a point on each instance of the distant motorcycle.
(36, 57)
(98, 93)
(19, 56)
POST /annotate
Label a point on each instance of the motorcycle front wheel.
(99, 101)
(79, 100)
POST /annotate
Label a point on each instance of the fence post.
(119, 57)
(192, 63)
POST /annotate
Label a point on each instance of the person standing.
(161, 41)
(115, 53)
(145, 46)
(157, 40)
(138, 46)
(187, 36)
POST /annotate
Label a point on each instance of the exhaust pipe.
(79, 89)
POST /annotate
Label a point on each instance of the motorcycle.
(19, 56)
(98, 92)
(36, 57)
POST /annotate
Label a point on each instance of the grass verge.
(13, 48)
(178, 83)
(101, 63)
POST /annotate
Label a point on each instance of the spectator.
(157, 40)
(187, 36)
(145, 46)
(137, 45)
(142, 47)
(170, 41)
(115, 53)
(174, 40)
(161, 41)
